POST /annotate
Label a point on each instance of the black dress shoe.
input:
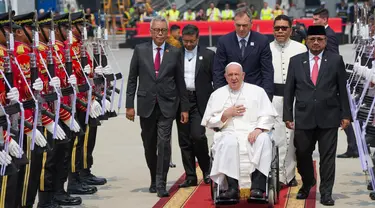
(152, 188)
(293, 183)
(163, 193)
(327, 200)
(369, 186)
(81, 189)
(188, 183)
(206, 178)
(256, 193)
(64, 199)
(304, 191)
(348, 155)
(230, 194)
(91, 179)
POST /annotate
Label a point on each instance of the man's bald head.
(234, 75)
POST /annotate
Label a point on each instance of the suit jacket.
(203, 77)
(332, 42)
(323, 105)
(168, 89)
(257, 61)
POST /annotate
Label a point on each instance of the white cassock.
(233, 154)
(283, 136)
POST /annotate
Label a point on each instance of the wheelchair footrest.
(254, 200)
(219, 201)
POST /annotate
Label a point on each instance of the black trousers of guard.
(193, 141)
(352, 142)
(29, 175)
(304, 142)
(8, 190)
(73, 156)
(85, 144)
(53, 164)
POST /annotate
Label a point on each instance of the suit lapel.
(198, 61)
(150, 59)
(306, 68)
(322, 68)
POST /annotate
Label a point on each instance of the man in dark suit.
(161, 90)
(197, 64)
(320, 17)
(317, 82)
(249, 48)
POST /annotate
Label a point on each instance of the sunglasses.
(283, 28)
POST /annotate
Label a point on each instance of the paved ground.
(119, 157)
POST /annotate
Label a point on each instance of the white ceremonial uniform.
(283, 136)
(233, 154)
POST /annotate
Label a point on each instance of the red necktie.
(157, 62)
(315, 70)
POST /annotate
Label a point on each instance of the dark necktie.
(243, 47)
(157, 62)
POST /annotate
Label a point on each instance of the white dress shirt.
(312, 61)
(246, 38)
(155, 50)
(189, 66)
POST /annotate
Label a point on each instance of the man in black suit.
(320, 17)
(161, 90)
(249, 48)
(317, 82)
(197, 64)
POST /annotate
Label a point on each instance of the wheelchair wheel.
(276, 183)
(271, 198)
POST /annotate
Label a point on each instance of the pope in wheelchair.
(242, 116)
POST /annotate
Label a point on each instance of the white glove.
(60, 134)
(39, 138)
(99, 70)
(14, 149)
(95, 110)
(87, 69)
(368, 73)
(5, 158)
(107, 70)
(38, 85)
(75, 126)
(55, 81)
(107, 106)
(13, 94)
(72, 80)
(356, 66)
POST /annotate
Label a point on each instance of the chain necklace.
(238, 96)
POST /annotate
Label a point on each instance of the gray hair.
(244, 10)
(158, 19)
(231, 64)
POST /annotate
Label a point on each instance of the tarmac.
(119, 157)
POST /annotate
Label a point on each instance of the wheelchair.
(272, 187)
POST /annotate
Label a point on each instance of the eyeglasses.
(283, 28)
(313, 39)
(158, 30)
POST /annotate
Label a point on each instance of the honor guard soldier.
(9, 180)
(78, 20)
(75, 183)
(70, 126)
(26, 46)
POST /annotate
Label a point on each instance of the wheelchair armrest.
(216, 129)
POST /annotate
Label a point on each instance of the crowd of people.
(243, 91)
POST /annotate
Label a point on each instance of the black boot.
(46, 200)
(64, 199)
(90, 179)
(75, 186)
